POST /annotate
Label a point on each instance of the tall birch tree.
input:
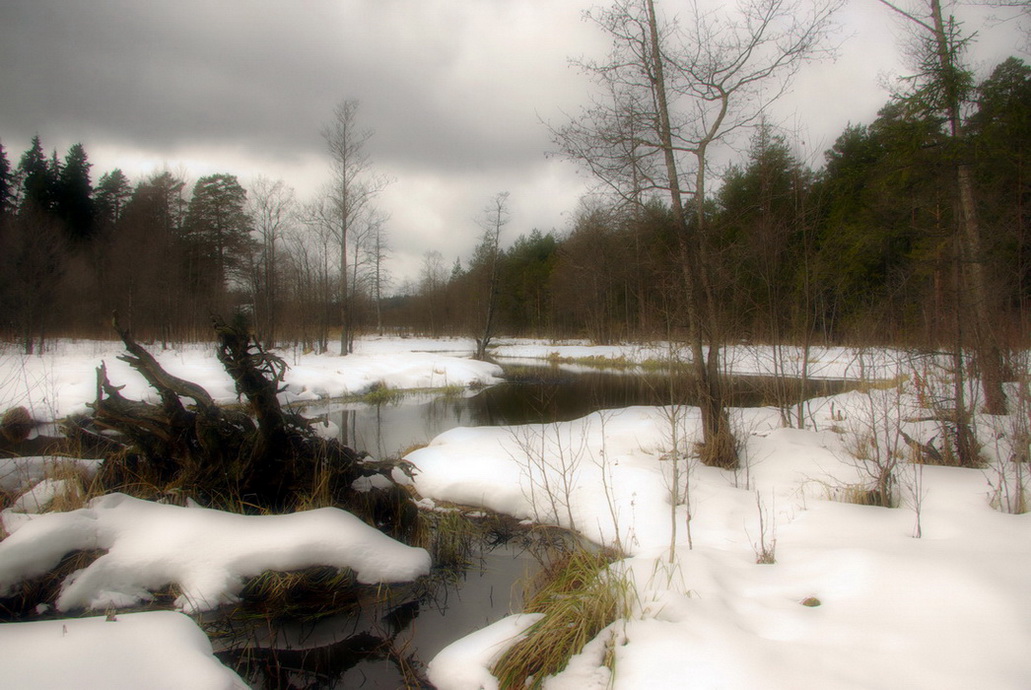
(354, 185)
(487, 259)
(676, 89)
(272, 207)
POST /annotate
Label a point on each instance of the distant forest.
(862, 247)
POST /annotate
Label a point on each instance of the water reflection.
(538, 394)
(385, 643)
(386, 647)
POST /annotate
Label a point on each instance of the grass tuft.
(381, 394)
(29, 595)
(620, 363)
(579, 595)
(305, 595)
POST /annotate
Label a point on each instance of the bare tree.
(272, 203)
(313, 244)
(379, 249)
(677, 91)
(487, 259)
(353, 186)
(432, 283)
(362, 270)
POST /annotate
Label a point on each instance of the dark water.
(373, 647)
(538, 394)
(369, 650)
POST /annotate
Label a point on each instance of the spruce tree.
(74, 195)
(6, 184)
(36, 178)
(112, 193)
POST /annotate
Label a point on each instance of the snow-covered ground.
(158, 650)
(207, 553)
(950, 609)
(63, 380)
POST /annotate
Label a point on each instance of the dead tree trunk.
(262, 457)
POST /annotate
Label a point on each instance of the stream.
(371, 649)
(536, 394)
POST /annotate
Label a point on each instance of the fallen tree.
(261, 457)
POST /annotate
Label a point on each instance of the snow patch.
(158, 650)
(207, 553)
(465, 664)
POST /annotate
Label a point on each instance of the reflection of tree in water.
(541, 395)
(308, 665)
(375, 644)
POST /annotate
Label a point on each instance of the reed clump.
(579, 595)
(304, 595)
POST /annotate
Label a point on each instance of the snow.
(156, 650)
(207, 553)
(41, 495)
(466, 662)
(950, 609)
(63, 380)
(20, 474)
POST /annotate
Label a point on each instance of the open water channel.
(348, 651)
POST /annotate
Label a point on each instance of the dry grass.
(27, 598)
(579, 595)
(451, 537)
(301, 595)
(620, 363)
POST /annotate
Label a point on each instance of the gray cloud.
(455, 91)
(440, 83)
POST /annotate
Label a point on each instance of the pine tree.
(6, 184)
(112, 193)
(1000, 133)
(217, 232)
(73, 201)
(36, 178)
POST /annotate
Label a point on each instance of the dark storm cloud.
(266, 74)
(454, 89)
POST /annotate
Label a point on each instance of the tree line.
(166, 258)
(858, 248)
(914, 230)
(855, 249)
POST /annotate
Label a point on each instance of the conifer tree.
(36, 179)
(74, 195)
(217, 232)
(112, 193)
(6, 184)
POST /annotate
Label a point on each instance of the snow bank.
(744, 359)
(155, 650)
(948, 610)
(42, 495)
(465, 664)
(63, 379)
(207, 553)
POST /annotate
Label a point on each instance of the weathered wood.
(169, 387)
(263, 457)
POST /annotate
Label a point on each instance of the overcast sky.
(456, 91)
